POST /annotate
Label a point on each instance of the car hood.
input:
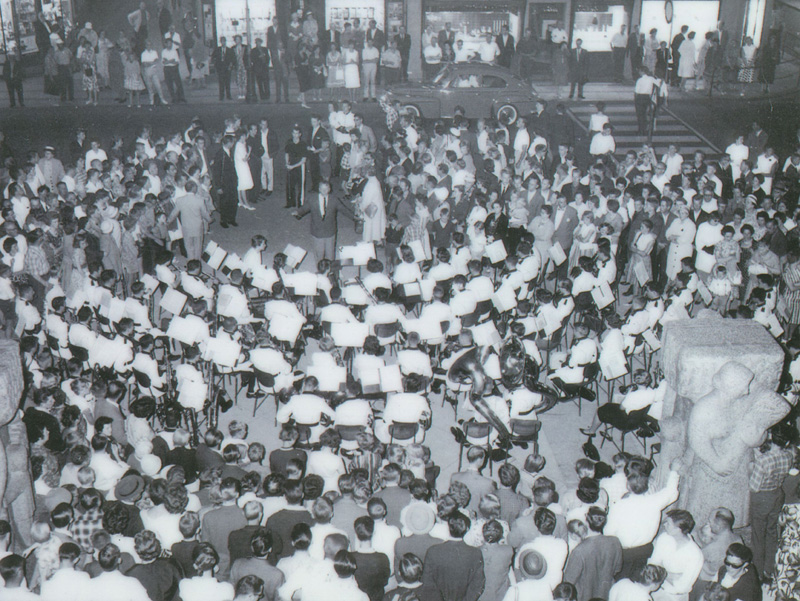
(409, 89)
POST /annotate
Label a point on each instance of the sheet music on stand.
(294, 255)
(181, 329)
(613, 367)
(223, 352)
(504, 299)
(427, 329)
(602, 295)
(496, 251)
(175, 233)
(427, 287)
(420, 252)
(412, 291)
(150, 284)
(486, 334)
(652, 340)
(704, 292)
(173, 301)
(557, 253)
(199, 328)
(330, 378)
(384, 379)
(302, 283)
(232, 261)
(774, 326)
(357, 255)
(349, 335)
(214, 255)
(355, 295)
(114, 309)
(285, 328)
(264, 278)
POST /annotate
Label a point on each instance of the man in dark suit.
(565, 220)
(404, 46)
(12, 73)
(375, 35)
(447, 36)
(453, 569)
(223, 174)
(324, 211)
(505, 41)
(676, 54)
(259, 66)
(223, 59)
(578, 68)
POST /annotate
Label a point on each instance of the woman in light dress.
(335, 63)
(542, 228)
(134, 84)
(747, 63)
(373, 208)
(103, 47)
(79, 269)
(199, 63)
(352, 78)
(680, 235)
(686, 66)
(241, 157)
(651, 47)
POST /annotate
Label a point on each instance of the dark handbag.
(358, 225)
(88, 72)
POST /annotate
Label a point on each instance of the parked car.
(483, 90)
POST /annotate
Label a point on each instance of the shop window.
(492, 81)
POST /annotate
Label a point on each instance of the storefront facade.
(18, 22)
(248, 18)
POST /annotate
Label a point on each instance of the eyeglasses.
(735, 567)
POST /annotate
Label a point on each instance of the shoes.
(234, 224)
(250, 208)
(224, 225)
(581, 96)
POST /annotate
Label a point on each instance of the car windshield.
(440, 77)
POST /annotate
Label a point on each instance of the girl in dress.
(352, 78)
(239, 52)
(373, 208)
(199, 64)
(79, 269)
(721, 288)
(641, 248)
(133, 79)
(241, 157)
(688, 54)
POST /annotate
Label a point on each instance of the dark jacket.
(321, 226)
(453, 572)
(223, 173)
(579, 65)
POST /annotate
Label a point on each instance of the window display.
(339, 12)
(596, 24)
(232, 15)
(58, 14)
(472, 27)
(700, 15)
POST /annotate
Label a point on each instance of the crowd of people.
(502, 277)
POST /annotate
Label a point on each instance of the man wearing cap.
(417, 520)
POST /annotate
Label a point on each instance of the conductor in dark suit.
(505, 41)
(12, 74)
(578, 68)
(223, 174)
(324, 211)
(404, 46)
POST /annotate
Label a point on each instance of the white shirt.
(683, 563)
(115, 586)
(432, 54)
(625, 590)
(67, 584)
(644, 85)
(149, 56)
(95, 155)
(635, 519)
(602, 144)
(205, 588)
(488, 51)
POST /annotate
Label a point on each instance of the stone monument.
(721, 380)
(16, 490)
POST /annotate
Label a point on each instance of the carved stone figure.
(16, 490)
(724, 427)
(720, 375)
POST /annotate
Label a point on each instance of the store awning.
(475, 5)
